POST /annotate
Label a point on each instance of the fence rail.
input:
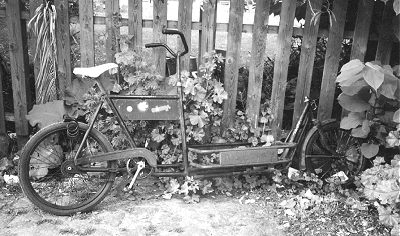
(207, 28)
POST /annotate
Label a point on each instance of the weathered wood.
(185, 26)
(257, 61)
(135, 24)
(159, 22)
(87, 32)
(64, 70)
(361, 30)
(19, 68)
(307, 57)
(232, 60)
(33, 5)
(386, 35)
(331, 64)
(208, 19)
(112, 8)
(282, 63)
(2, 108)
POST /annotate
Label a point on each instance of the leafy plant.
(381, 184)
(43, 25)
(371, 94)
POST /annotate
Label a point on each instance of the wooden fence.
(207, 28)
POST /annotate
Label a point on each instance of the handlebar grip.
(183, 39)
(153, 45)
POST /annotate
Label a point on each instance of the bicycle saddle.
(94, 71)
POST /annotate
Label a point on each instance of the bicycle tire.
(323, 162)
(47, 186)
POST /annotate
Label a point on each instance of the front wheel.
(328, 150)
(43, 176)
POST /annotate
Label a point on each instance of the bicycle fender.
(302, 164)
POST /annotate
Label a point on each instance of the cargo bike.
(69, 167)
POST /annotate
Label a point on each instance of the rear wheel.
(330, 150)
(43, 170)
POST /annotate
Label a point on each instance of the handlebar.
(155, 45)
(171, 31)
(181, 35)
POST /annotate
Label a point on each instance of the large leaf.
(396, 116)
(46, 114)
(373, 75)
(353, 103)
(369, 150)
(350, 73)
(389, 85)
(396, 6)
(353, 120)
(355, 87)
(362, 131)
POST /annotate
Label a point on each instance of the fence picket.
(256, 69)
(232, 60)
(185, 25)
(331, 64)
(87, 32)
(19, 68)
(361, 30)
(111, 31)
(63, 47)
(208, 19)
(307, 56)
(282, 63)
(385, 41)
(159, 22)
(135, 24)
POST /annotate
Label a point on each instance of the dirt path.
(218, 215)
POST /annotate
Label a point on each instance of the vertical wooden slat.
(385, 41)
(64, 68)
(33, 5)
(208, 19)
(19, 67)
(282, 63)
(135, 24)
(331, 64)
(111, 31)
(361, 30)
(2, 111)
(159, 21)
(307, 57)
(87, 32)
(185, 25)
(260, 29)
(232, 60)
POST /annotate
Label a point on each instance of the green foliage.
(381, 184)
(43, 25)
(371, 94)
(46, 114)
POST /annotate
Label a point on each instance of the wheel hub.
(69, 168)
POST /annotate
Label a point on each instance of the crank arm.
(140, 166)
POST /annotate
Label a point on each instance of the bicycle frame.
(145, 104)
(295, 136)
